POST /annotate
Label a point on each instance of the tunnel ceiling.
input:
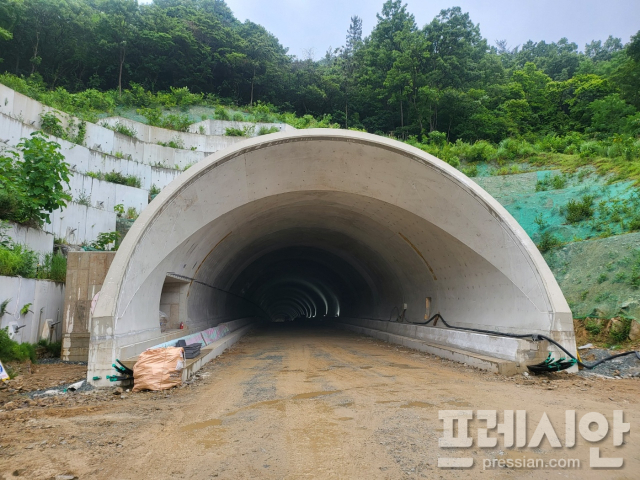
(329, 223)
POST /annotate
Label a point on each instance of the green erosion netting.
(596, 276)
(609, 208)
(599, 276)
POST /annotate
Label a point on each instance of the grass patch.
(12, 351)
(121, 128)
(116, 177)
(576, 211)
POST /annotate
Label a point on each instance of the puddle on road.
(314, 394)
(418, 405)
(199, 425)
(345, 418)
(366, 367)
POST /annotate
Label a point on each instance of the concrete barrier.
(46, 299)
(106, 195)
(496, 353)
(34, 238)
(78, 224)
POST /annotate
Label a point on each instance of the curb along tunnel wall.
(325, 224)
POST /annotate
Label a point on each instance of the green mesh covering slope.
(596, 262)
(614, 206)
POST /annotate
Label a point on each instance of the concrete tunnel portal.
(328, 224)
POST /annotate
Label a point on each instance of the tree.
(603, 53)
(456, 48)
(117, 26)
(34, 186)
(349, 61)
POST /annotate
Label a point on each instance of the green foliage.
(132, 213)
(119, 210)
(83, 199)
(106, 241)
(177, 142)
(116, 177)
(17, 259)
(12, 351)
(156, 118)
(51, 124)
(576, 211)
(470, 171)
(539, 220)
(53, 267)
(548, 241)
(53, 349)
(33, 187)
(603, 277)
(594, 327)
(222, 114)
(3, 306)
(121, 128)
(239, 132)
(401, 79)
(154, 190)
(620, 332)
(26, 308)
(74, 132)
(551, 182)
(267, 130)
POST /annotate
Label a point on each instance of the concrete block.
(35, 239)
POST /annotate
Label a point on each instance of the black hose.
(534, 337)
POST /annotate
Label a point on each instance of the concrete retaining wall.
(82, 159)
(46, 299)
(106, 195)
(78, 224)
(161, 177)
(219, 127)
(27, 111)
(208, 143)
(37, 240)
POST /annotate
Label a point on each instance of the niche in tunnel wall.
(173, 303)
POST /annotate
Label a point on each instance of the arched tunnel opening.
(314, 255)
(324, 225)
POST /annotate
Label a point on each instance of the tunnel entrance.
(323, 224)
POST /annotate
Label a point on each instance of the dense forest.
(402, 79)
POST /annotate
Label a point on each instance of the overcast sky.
(301, 25)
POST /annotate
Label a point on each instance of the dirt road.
(295, 403)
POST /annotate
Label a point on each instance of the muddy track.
(294, 402)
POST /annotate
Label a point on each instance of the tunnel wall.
(389, 224)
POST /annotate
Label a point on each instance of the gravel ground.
(628, 366)
(54, 361)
